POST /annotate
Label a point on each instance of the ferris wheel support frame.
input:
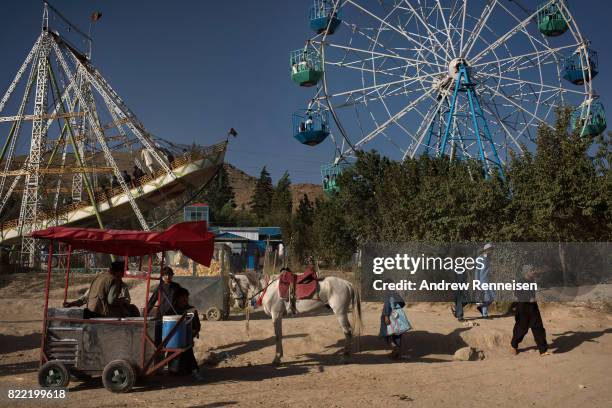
(463, 84)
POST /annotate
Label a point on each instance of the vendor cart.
(209, 294)
(118, 349)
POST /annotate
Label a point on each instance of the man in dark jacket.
(166, 291)
(527, 315)
(104, 292)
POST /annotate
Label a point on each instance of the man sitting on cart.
(103, 296)
(167, 291)
(122, 307)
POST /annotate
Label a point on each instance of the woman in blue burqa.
(483, 275)
(393, 300)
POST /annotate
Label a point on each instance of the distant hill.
(244, 184)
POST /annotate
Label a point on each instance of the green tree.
(603, 160)
(261, 201)
(332, 240)
(243, 217)
(219, 196)
(359, 190)
(282, 205)
(560, 193)
(301, 242)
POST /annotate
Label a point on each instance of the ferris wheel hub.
(444, 84)
(454, 64)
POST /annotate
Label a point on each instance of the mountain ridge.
(243, 185)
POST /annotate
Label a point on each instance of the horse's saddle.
(302, 286)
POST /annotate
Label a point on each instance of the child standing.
(187, 361)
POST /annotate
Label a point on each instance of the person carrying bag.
(394, 322)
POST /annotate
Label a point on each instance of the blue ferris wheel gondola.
(310, 127)
(576, 67)
(589, 118)
(323, 17)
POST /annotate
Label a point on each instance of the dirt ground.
(577, 374)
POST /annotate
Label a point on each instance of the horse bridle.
(242, 296)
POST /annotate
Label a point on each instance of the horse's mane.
(253, 278)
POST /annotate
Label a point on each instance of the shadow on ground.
(416, 346)
(565, 342)
(18, 368)
(11, 344)
(211, 376)
(248, 346)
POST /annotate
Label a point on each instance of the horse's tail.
(356, 306)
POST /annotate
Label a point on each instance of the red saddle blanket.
(305, 284)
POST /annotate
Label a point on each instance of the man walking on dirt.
(104, 291)
(527, 315)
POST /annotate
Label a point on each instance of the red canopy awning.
(191, 238)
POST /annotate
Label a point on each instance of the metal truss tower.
(98, 135)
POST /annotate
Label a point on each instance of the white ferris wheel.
(467, 79)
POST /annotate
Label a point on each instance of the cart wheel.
(213, 314)
(118, 376)
(53, 374)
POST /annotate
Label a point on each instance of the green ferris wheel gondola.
(330, 174)
(306, 67)
(589, 119)
(551, 22)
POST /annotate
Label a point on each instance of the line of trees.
(562, 192)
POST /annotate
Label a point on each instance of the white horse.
(338, 294)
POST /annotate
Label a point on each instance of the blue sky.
(192, 69)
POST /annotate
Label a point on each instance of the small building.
(253, 248)
(197, 212)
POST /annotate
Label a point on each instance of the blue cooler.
(179, 338)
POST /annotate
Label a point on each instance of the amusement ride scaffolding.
(76, 177)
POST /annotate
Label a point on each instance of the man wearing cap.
(104, 292)
(166, 291)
